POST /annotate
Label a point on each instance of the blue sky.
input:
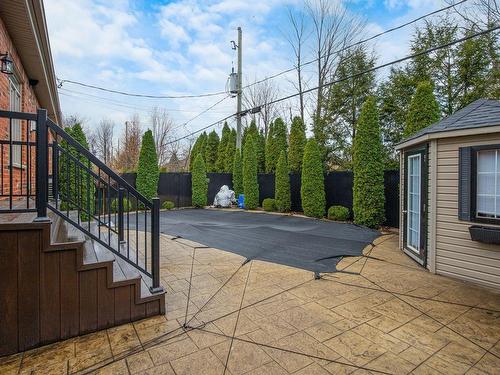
(182, 47)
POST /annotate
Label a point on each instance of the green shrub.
(269, 205)
(198, 148)
(148, 173)
(230, 151)
(368, 168)
(313, 181)
(339, 213)
(221, 150)
(423, 110)
(250, 183)
(237, 174)
(276, 142)
(199, 182)
(168, 205)
(126, 205)
(282, 185)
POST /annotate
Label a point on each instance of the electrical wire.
(62, 81)
(343, 49)
(327, 84)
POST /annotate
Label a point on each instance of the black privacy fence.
(176, 187)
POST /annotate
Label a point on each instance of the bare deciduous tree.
(162, 132)
(297, 38)
(261, 95)
(333, 29)
(101, 141)
(130, 145)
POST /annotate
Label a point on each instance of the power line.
(98, 99)
(357, 43)
(199, 114)
(378, 67)
(62, 81)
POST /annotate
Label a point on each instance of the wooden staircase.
(56, 284)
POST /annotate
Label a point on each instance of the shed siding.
(456, 255)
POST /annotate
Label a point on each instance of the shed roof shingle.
(478, 114)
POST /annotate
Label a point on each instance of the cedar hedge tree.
(230, 151)
(368, 168)
(313, 181)
(297, 144)
(198, 148)
(148, 173)
(199, 183)
(423, 110)
(237, 174)
(282, 185)
(261, 152)
(269, 149)
(250, 183)
(276, 142)
(221, 150)
(80, 185)
(211, 151)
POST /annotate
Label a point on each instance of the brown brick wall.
(29, 103)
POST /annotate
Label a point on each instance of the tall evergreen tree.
(277, 142)
(250, 183)
(199, 183)
(368, 168)
(297, 145)
(230, 151)
(260, 145)
(423, 111)
(237, 173)
(198, 148)
(79, 187)
(221, 151)
(312, 189)
(212, 146)
(269, 148)
(344, 103)
(282, 184)
(148, 173)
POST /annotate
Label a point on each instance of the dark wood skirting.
(47, 293)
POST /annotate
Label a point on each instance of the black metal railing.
(67, 179)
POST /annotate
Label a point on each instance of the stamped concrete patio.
(382, 314)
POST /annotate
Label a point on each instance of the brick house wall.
(22, 176)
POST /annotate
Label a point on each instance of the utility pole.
(240, 92)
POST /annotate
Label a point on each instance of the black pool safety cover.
(314, 245)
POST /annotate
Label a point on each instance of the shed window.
(488, 184)
(479, 184)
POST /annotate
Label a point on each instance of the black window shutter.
(464, 183)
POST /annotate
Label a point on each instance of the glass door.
(414, 200)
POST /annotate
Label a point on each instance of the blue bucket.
(241, 201)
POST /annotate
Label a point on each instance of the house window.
(15, 105)
(488, 184)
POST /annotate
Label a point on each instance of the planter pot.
(485, 234)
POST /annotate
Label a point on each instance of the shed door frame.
(420, 254)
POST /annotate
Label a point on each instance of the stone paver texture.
(382, 314)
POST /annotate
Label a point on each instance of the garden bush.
(211, 151)
(313, 182)
(269, 205)
(368, 168)
(339, 213)
(168, 205)
(148, 173)
(199, 182)
(126, 205)
(297, 144)
(282, 184)
(423, 111)
(250, 183)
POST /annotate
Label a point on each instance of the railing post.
(155, 245)
(42, 165)
(121, 193)
(55, 170)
